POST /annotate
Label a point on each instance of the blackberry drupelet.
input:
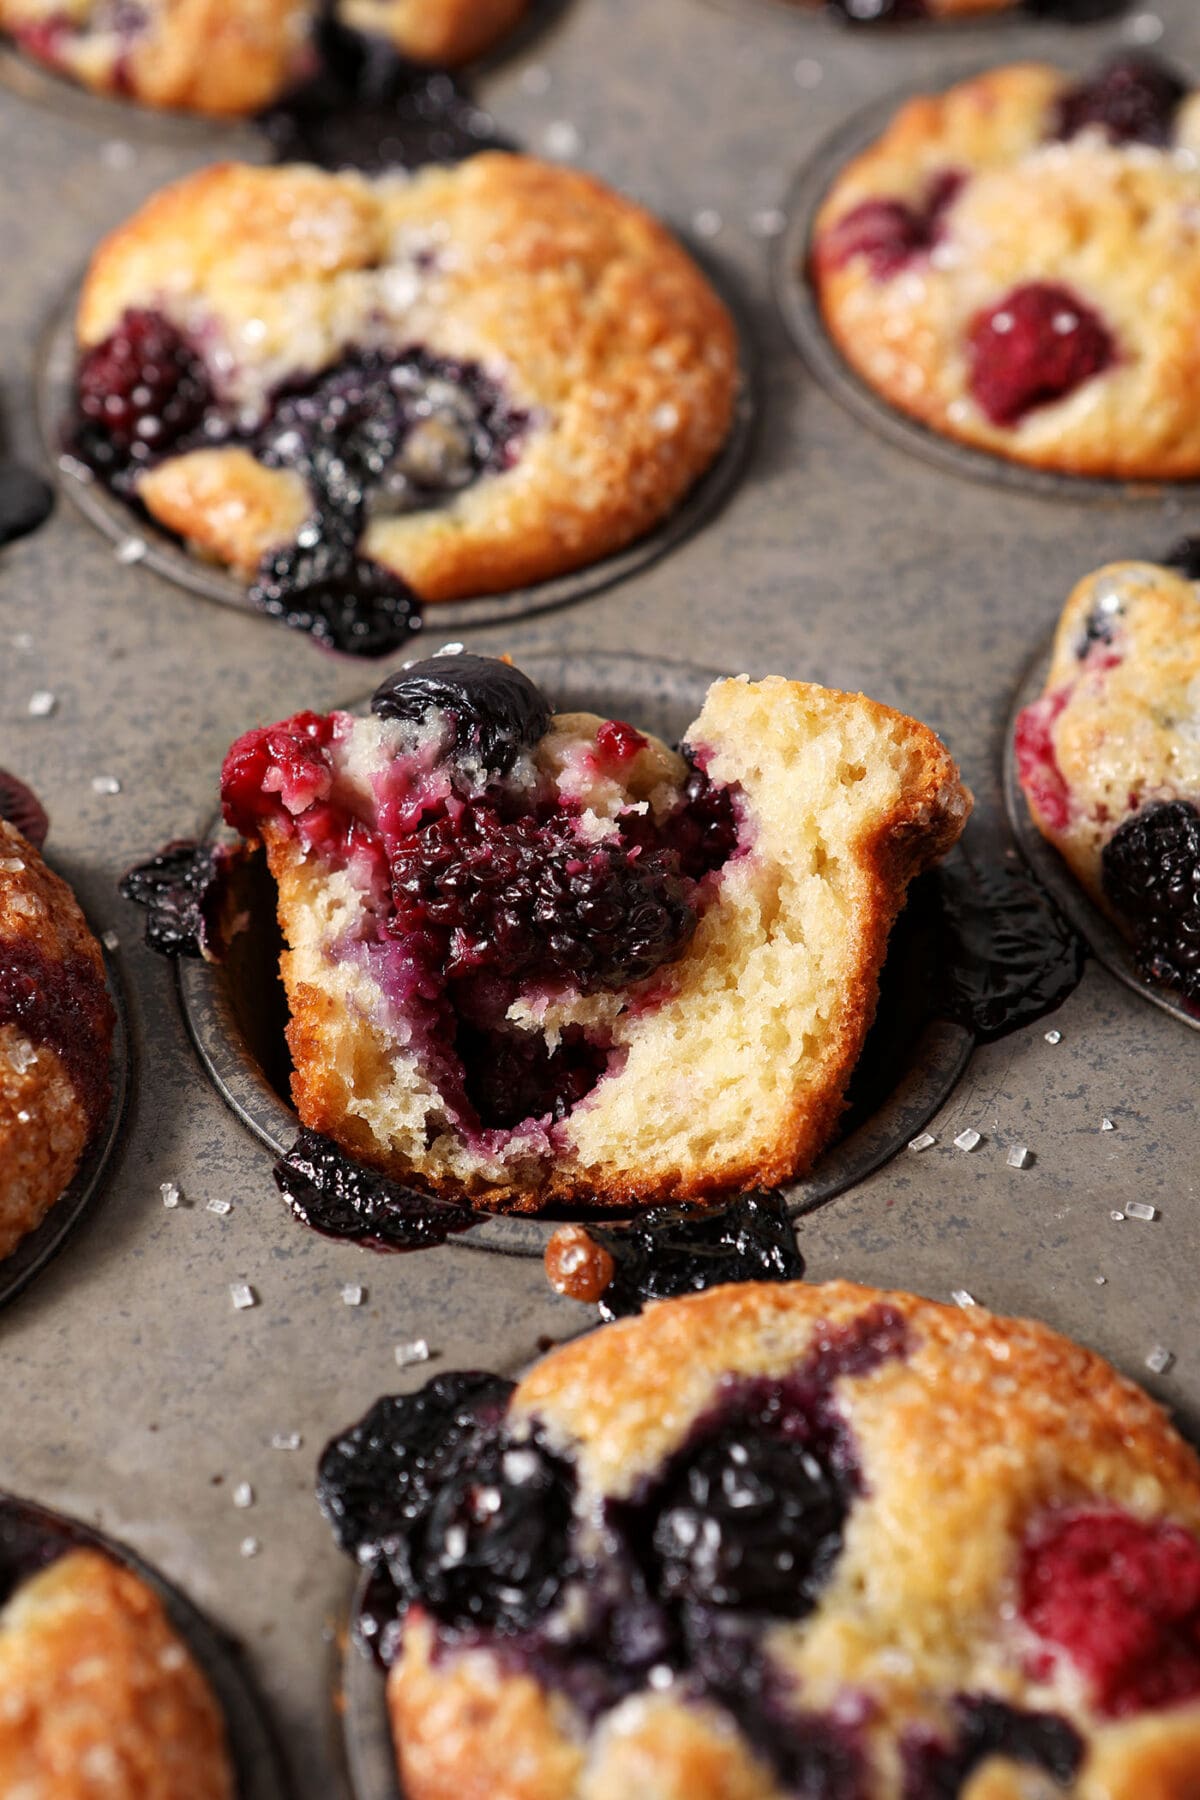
(1151, 875)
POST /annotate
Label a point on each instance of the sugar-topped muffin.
(1014, 263)
(99, 1697)
(229, 57)
(1109, 758)
(537, 957)
(56, 1024)
(357, 393)
(783, 1540)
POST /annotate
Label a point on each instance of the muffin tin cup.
(135, 535)
(36, 1249)
(798, 305)
(259, 1769)
(1106, 943)
(122, 120)
(366, 1727)
(235, 1011)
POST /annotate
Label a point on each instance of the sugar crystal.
(968, 1139)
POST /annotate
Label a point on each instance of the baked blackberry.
(140, 393)
(1151, 873)
(1133, 100)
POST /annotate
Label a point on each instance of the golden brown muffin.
(1015, 264)
(56, 1023)
(522, 370)
(233, 57)
(783, 1540)
(591, 970)
(1109, 757)
(99, 1699)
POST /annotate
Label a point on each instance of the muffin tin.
(138, 1395)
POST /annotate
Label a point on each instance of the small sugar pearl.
(105, 784)
(707, 222)
(968, 1139)
(352, 1294)
(131, 550)
(243, 1494)
(242, 1295)
(250, 1546)
(1140, 1209)
(171, 1196)
(42, 704)
(1054, 1037)
(926, 1141)
(961, 1297)
(1019, 1157)
(1159, 1360)
(415, 1352)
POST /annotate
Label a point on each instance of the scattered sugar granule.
(250, 1546)
(286, 1440)
(1159, 1360)
(1117, 1217)
(1101, 1280)
(924, 1142)
(1054, 1037)
(767, 223)
(1140, 1209)
(243, 1494)
(11, 865)
(1107, 1125)
(707, 222)
(243, 1295)
(220, 1207)
(415, 1352)
(968, 1139)
(105, 784)
(171, 1195)
(42, 703)
(961, 1297)
(562, 140)
(352, 1294)
(111, 941)
(1019, 1157)
(131, 550)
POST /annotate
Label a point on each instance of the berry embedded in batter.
(890, 234)
(140, 393)
(1120, 1599)
(1151, 876)
(1037, 345)
(1133, 100)
(986, 1727)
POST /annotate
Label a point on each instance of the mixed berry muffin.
(1109, 759)
(99, 1698)
(1015, 264)
(776, 1540)
(357, 392)
(230, 57)
(56, 1023)
(538, 957)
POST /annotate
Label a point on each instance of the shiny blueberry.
(495, 710)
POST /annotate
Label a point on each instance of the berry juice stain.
(343, 1199)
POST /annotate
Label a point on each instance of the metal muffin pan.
(797, 301)
(33, 1531)
(235, 1017)
(86, 1187)
(136, 535)
(137, 1395)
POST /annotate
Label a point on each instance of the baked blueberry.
(493, 710)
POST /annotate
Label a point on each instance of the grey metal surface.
(130, 1381)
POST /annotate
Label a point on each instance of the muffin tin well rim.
(366, 1725)
(796, 302)
(160, 551)
(254, 1751)
(1099, 933)
(939, 1054)
(86, 1186)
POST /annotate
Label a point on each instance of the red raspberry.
(1036, 346)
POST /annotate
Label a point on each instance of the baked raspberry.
(1037, 345)
(532, 899)
(1151, 873)
(1037, 762)
(1134, 99)
(890, 234)
(278, 765)
(140, 391)
(1121, 1599)
(618, 743)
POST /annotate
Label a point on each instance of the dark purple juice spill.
(673, 1250)
(26, 501)
(1008, 956)
(344, 1199)
(367, 108)
(22, 808)
(65, 1007)
(183, 890)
